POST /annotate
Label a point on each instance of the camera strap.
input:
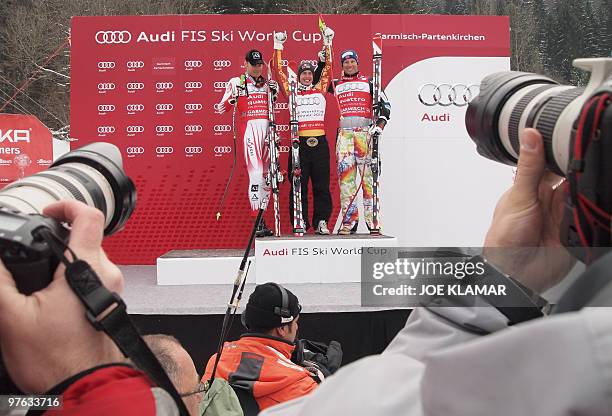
(107, 312)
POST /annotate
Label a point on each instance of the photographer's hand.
(45, 338)
(527, 221)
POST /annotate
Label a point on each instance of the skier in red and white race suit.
(354, 142)
(249, 92)
(313, 148)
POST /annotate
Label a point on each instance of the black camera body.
(23, 250)
(576, 127)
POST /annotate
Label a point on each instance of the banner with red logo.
(26, 147)
(150, 85)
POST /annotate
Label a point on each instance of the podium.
(307, 259)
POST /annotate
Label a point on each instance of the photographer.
(441, 364)
(48, 345)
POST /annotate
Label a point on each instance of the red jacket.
(266, 361)
(117, 390)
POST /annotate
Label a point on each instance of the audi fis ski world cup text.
(125, 37)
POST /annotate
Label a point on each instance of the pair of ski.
(275, 176)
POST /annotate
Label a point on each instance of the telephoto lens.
(92, 174)
(511, 101)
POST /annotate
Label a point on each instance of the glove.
(279, 39)
(375, 130)
(328, 35)
(321, 55)
(273, 85)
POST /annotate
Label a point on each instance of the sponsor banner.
(149, 83)
(26, 147)
(337, 260)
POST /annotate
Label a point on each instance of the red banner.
(26, 147)
(149, 84)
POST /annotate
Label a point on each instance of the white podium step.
(308, 259)
(200, 267)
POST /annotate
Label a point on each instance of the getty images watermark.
(411, 277)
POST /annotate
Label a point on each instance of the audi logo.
(105, 86)
(164, 107)
(193, 107)
(281, 106)
(106, 129)
(284, 149)
(447, 94)
(308, 100)
(193, 85)
(222, 64)
(164, 86)
(135, 85)
(222, 150)
(218, 107)
(113, 36)
(193, 150)
(222, 127)
(352, 86)
(134, 107)
(164, 129)
(193, 64)
(284, 62)
(220, 84)
(164, 150)
(106, 65)
(134, 129)
(106, 108)
(193, 128)
(135, 64)
(135, 150)
(282, 127)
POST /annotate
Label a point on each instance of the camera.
(92, 174)
(576, 126)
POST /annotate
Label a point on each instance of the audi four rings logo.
(164, 129)
(193, 150)
(220, 84)
(164, 150)
(308, 100)
(113, 36)
(106, 108)
(105, 86)
(134, 107)
(221, 150)
(281, 106)
(135, 64)
(193, 85)
(283, 149)
(135, 150)
(193, 107)
(284, 62)
(193, 128)
(106, 65)
(282, 127)
(193, 64)
(351, 86)
(106, 129)
(135, 85)
(134, 129)
(447, 94)
(164, 107)
(218, 107)
(222, 64)
(164, 86)
(222, 127)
